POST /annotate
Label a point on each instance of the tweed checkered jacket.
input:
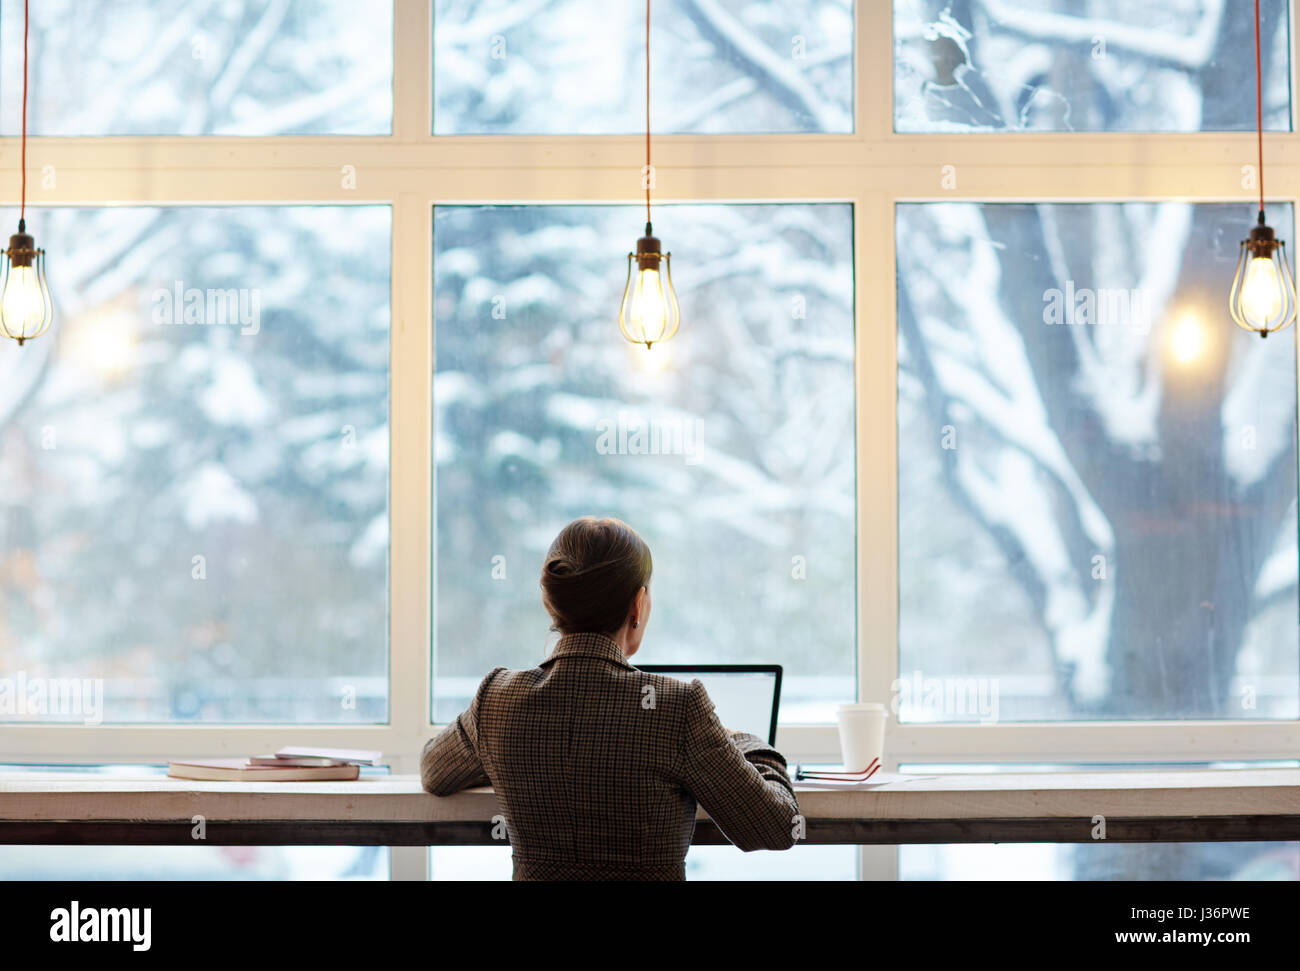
(598, 767)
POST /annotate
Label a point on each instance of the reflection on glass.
(734, 459)
(577, 67)
(1105, 65)
(194, 469)
(1097, 470)
(171, 67)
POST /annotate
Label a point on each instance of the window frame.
(411, 170)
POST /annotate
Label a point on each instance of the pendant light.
(649, 313)
(25, 307)
(1263, 297)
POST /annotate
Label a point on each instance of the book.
(350, 755)
(238, 770)
(305, 762)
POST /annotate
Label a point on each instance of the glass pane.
(730, 448)
(1099, 65)
(194, 469)
(702, 863)
(559, 67)
(798, 863)
(194, 863)
(1097, 469)
(185, 862)
(1100, 860)
(169, 67)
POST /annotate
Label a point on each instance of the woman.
(599, 766)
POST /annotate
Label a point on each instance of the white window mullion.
(1295, 63)
(873, 69)
(408, 863)
(877, 486)
(411, 468)
(412, 70)
(1058, 742)
(75, 743)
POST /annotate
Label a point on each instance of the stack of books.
(294, 763)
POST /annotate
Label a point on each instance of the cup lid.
(862, 706)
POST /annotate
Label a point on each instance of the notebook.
(354, 755)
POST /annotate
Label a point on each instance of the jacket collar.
(588, 645)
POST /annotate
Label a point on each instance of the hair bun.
(592, 573)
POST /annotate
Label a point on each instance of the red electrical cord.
(22, 213)
(1259, 110)
(648, 111)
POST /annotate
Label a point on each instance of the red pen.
(862, 776)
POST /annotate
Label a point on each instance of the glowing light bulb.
(23, 303)
(1261, 292)
(1263, 297)
(25, 309)
(649, 313)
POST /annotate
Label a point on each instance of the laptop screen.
(747, 696)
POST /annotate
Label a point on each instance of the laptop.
(747, 696)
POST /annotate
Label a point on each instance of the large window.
(578, 67)
(730, 448)
(170, 67)
(194, 512)
(1097, 475)
(880, 461)
(1103, 65)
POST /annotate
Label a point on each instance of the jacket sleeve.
(450, 762)
(740, 780)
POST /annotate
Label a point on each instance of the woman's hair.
(591, 575)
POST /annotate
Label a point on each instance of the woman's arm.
(450, 762)
(740, 781)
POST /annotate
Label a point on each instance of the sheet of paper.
(879, 779)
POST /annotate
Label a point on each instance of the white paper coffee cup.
(862, 734)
